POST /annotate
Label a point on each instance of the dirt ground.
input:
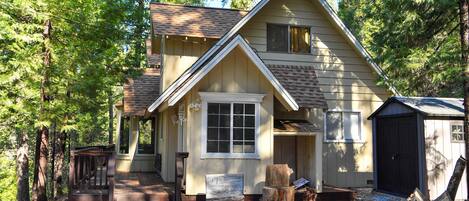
(367, 194)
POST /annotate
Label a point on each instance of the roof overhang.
(238, 41)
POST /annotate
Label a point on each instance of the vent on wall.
(369, 182)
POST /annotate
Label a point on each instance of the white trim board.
(335, 19)
(237, 41)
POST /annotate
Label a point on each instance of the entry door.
(285, 152)
(397, 154)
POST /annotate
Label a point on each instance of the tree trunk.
(59, 163)
(42, 140)
(22, 168)
(464, 33)
(111, 117)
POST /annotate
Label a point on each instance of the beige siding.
(235, 74)
(134, 162)
(179, 54)
(347, 81)
(441, 156)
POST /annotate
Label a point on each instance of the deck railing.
(91, 175)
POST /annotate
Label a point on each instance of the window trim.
(119, 135)
(289, 38)
(451, 124)
(362, 137)
(215, 97)
(138, 135)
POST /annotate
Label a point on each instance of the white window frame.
(451, 132)
(232, 98)
(362, 140)
(138, 135)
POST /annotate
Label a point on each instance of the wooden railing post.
(179, 177)
(111, 171)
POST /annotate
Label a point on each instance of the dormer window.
(288, 38)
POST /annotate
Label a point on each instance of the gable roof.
(141, 91)
(183, 20)
(228, 35)
(428, 106)
(237, 41)
(301, 82)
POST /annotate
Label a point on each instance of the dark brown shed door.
(397, 154)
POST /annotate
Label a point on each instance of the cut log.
(278, 175)
(455, 179)
(286, 193)
(269, 194)
(444, 197)
(417, 196)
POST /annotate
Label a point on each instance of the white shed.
(416, 143)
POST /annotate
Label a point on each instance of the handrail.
(92, 169)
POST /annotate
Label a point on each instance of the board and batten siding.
(441, 157)
(179, 54)
(234, 74)
(347, 81)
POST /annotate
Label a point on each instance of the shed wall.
(441, 156)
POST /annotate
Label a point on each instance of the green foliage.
(416, 42)
(95, 45)
(241, 4)
(7, 178)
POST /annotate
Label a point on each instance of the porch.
(93, 177)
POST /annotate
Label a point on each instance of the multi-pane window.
(457, 133)
(124, 135)
(287, 38)
(231, 128)
(218, 127)
(146, 136)
(343, 126)
(244, 128)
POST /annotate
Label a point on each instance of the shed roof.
(193, 21)
(428, 106)
(140, 92)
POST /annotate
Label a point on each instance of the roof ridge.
(195, 6)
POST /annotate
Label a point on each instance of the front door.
(397, 154)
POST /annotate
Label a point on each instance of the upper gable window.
(287, 38)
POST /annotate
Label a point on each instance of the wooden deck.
(141, 187)
(150, 187)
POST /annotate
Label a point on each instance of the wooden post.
(179, 174)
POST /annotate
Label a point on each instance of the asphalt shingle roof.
(140, 92)
(182, 20)
(301, 82)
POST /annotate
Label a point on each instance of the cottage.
(285, 82)
(417, 141)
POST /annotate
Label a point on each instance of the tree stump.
(286, 193)
(277, 175)
(269, 194)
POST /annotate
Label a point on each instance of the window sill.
(346, 141)
(229, 156)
